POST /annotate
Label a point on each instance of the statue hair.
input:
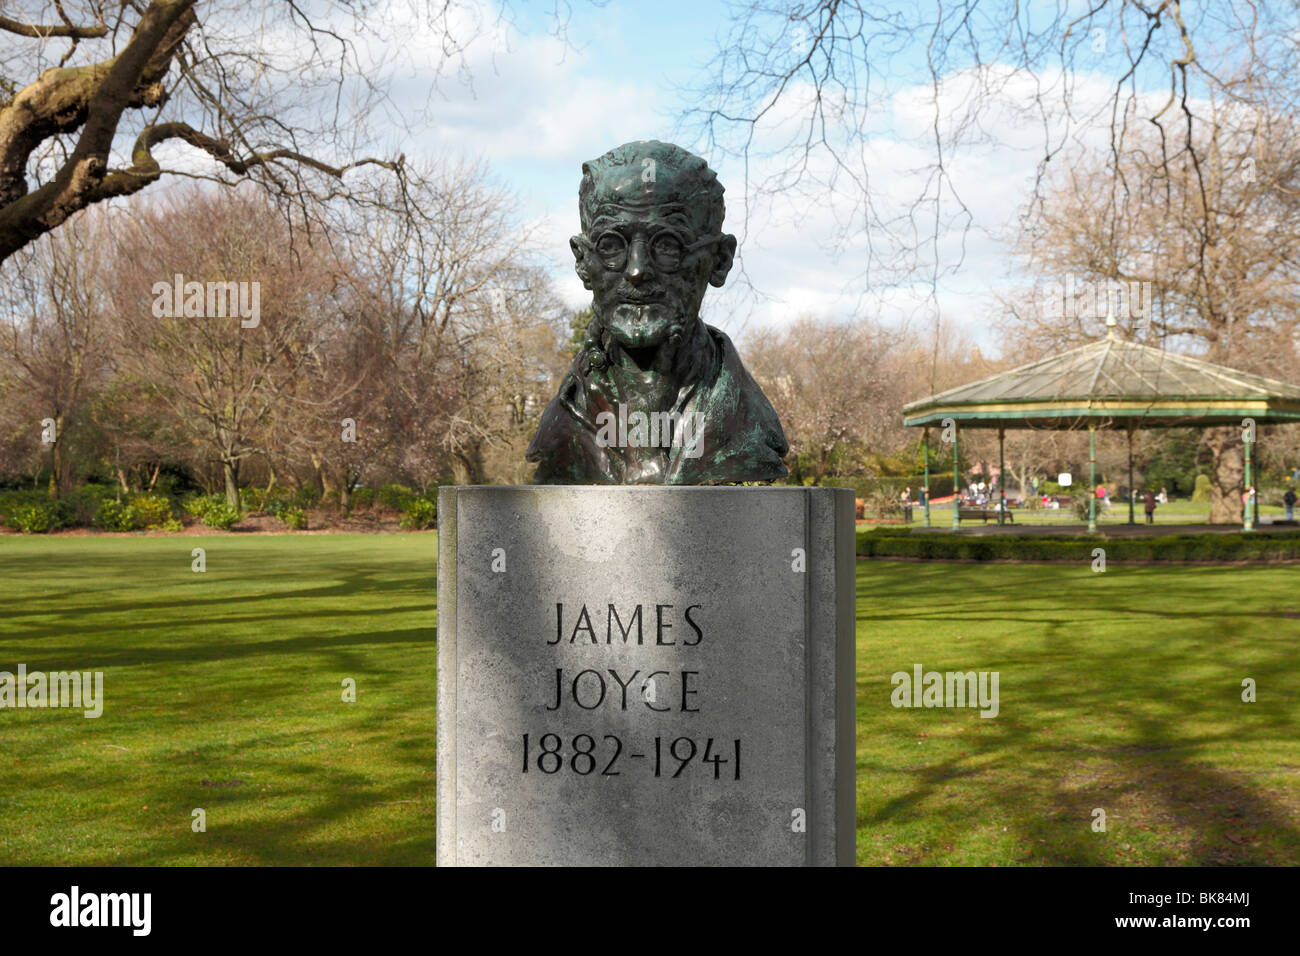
(695, 185)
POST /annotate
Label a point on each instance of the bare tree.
(450, 299)
(54, 348)
(510, 367)
(820, 88)
(836, 388)
(223, 373)
(94, 92)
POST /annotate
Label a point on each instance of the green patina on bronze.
(655, 396)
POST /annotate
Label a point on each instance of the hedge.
(1211, 547)
(420, 513)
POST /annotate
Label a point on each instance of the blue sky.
(534, 109)
(641, 58)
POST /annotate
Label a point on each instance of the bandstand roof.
(1112, 384)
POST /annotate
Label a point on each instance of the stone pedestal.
(639, 675)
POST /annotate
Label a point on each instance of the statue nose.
(638, 260)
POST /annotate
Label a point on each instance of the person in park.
(1288, 500)
(905, 498)
(1149, 505)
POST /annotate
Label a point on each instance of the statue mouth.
(644, 298)
(641, 323)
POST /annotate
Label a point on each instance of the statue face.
(647, 267)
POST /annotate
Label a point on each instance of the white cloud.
(534, 109)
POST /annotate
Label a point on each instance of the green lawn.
(1118, 691)
(224, 692)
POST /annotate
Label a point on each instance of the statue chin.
(641, 325)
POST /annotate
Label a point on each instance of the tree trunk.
(231, 477)
(460, 470)
(1021, 476)
(57, 483)
(1227, 471)
(467, 466)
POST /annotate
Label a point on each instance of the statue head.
(651, 244)
(651, 241)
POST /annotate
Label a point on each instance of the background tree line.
(384, 352)
(407, 301)
(418, 355)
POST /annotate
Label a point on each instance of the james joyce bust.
(655, 396)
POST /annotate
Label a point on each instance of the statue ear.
(724, 254)
(580, 247)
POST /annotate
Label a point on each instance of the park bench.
(985, 514)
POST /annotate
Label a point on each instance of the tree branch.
(96, 102)
(44, 32)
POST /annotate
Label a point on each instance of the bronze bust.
(655, 396)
